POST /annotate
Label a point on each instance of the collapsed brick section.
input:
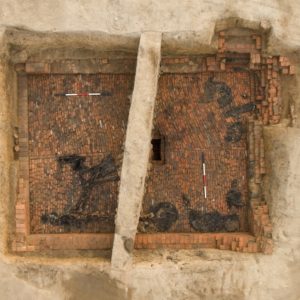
(267, 67)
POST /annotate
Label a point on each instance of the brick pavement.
(92, 127)
(191, 127)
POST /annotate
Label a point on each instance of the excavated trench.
(64, 183)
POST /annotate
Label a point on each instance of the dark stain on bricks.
(234, 132)
(161, 216)
(219, 89)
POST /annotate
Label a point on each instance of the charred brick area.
(75, 147)
(199, 113)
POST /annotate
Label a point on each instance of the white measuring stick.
(83, 94)
(204, 176)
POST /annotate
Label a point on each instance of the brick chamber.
(210, 107)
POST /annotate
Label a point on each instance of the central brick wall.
(191, 124)
(92, 128)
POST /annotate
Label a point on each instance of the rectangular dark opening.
(156, 149)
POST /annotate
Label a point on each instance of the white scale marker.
(204, 176)
(83, 94)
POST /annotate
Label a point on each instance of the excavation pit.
(70, 150)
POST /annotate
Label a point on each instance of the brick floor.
(92, 127)
(191, 127)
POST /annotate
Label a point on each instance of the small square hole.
(158, 148)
